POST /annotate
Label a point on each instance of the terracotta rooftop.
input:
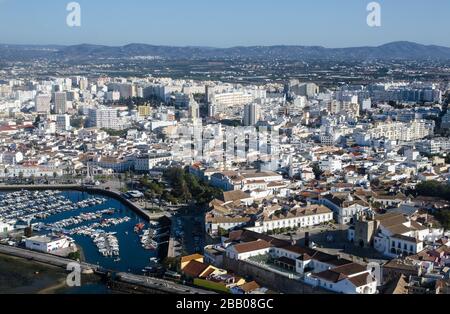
(252, 246)
(361, 280)
(194, 269)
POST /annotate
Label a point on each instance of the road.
(161, 285)
(43, 258)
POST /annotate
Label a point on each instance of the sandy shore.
(20, 276)
(54, 288)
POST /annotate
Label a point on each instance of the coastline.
(54, 288)
(21, 276)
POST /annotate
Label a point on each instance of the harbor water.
(131, 255)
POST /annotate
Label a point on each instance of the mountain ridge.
(392, 50)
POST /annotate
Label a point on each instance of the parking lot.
(188, 231)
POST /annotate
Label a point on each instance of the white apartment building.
(398, 131)
(297, 217)
(434, 146)
(42, 103)
(105, 118)
(31, 171)
(331, 164)
(230, 99)
(126, 90)
(214, 223)
(114, 164)
(148, 162)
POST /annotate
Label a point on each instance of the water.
(133, 257)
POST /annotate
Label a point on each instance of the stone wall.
(270, 279)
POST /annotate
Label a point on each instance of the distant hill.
(395, 50)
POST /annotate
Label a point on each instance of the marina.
(27, 205)
(151, 239)
(110, 234)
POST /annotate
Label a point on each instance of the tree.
(118, 133)
(171, 263)
(317, 171)
(187, 187)
(222, 232)
(434, 189)
(74, 256)
(77, 123)
(443, 216)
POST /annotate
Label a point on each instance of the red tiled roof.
(194, 269)
(252, 246)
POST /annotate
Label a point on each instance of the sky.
(225, 23)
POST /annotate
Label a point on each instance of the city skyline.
(238, 24)
(224, 149)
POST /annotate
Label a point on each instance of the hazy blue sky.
(224, 23)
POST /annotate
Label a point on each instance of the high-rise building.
(252, 114)
(113, 96)
(104, 118)
(302, 89)
(212, 110)
(208, 92)
(145, 111)
(42, 102)
(182, 100)
(73, 96)
(194, 109)
(446, 120)
(366, 104)
(83, 83)
(126, 90)
(60, 100)
(63, 122)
